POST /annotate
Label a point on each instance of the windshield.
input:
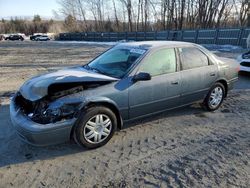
(116, 62)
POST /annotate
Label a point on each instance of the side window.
(160, 62)
(192, 58)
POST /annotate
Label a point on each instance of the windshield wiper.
(86, 67)
(94, 69)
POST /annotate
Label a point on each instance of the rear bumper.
(231, 83)
(39, 134)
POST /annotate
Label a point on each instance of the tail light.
(238, 68)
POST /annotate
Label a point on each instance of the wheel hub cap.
(215, 97)
(97, 129)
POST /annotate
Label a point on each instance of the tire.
(214, 97)
(89, 135)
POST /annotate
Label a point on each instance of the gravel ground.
(187, 147)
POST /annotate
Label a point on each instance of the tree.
(37, 18)
(145, 14)
(128, 6)
(248, 14)
(70, 23)
(151, 15)
(116, 16)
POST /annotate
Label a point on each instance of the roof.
(155, 44)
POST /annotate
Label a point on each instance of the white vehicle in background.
(244, 61)
(42, 38)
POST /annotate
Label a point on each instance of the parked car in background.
(244, 61)
(42, 38)
(14, 37)
(33, 37)
(129, 81)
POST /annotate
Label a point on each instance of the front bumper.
(39, 134)
(244, 68)
(244, 64)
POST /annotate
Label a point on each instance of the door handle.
(212, 74)
(175, 83)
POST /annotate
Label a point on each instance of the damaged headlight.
(59, 109)
(55, 111)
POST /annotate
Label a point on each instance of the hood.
(37, 87)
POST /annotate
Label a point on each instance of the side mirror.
(142, 76)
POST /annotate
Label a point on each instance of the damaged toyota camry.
(133, 80)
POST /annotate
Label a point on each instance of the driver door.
(162, 91)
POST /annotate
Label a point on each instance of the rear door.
(198, 73)
(162, 91)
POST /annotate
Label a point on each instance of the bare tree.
(145, 14)
(224, 3)
(242, 8)
(138, 14)
(116, 16)
(150, 15)
(164, 4)
(128, 6)
(80, 4)
(248, 14)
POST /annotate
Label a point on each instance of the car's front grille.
(245, 64)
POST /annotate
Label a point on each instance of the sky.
(27, 8)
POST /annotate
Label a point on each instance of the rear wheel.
(95, 127)
(215, 97)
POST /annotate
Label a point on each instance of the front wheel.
(215, 97)
(95, 127)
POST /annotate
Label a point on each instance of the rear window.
(192, 58)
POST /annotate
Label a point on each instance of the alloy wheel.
(216, 97)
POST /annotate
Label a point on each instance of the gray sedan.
(129, 81)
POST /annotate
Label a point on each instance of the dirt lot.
(187, 147)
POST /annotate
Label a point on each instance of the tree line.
(153, 15)
(135, 15)
(28, 27)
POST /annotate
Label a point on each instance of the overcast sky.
(27, 8)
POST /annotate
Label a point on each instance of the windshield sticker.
(137, 51)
